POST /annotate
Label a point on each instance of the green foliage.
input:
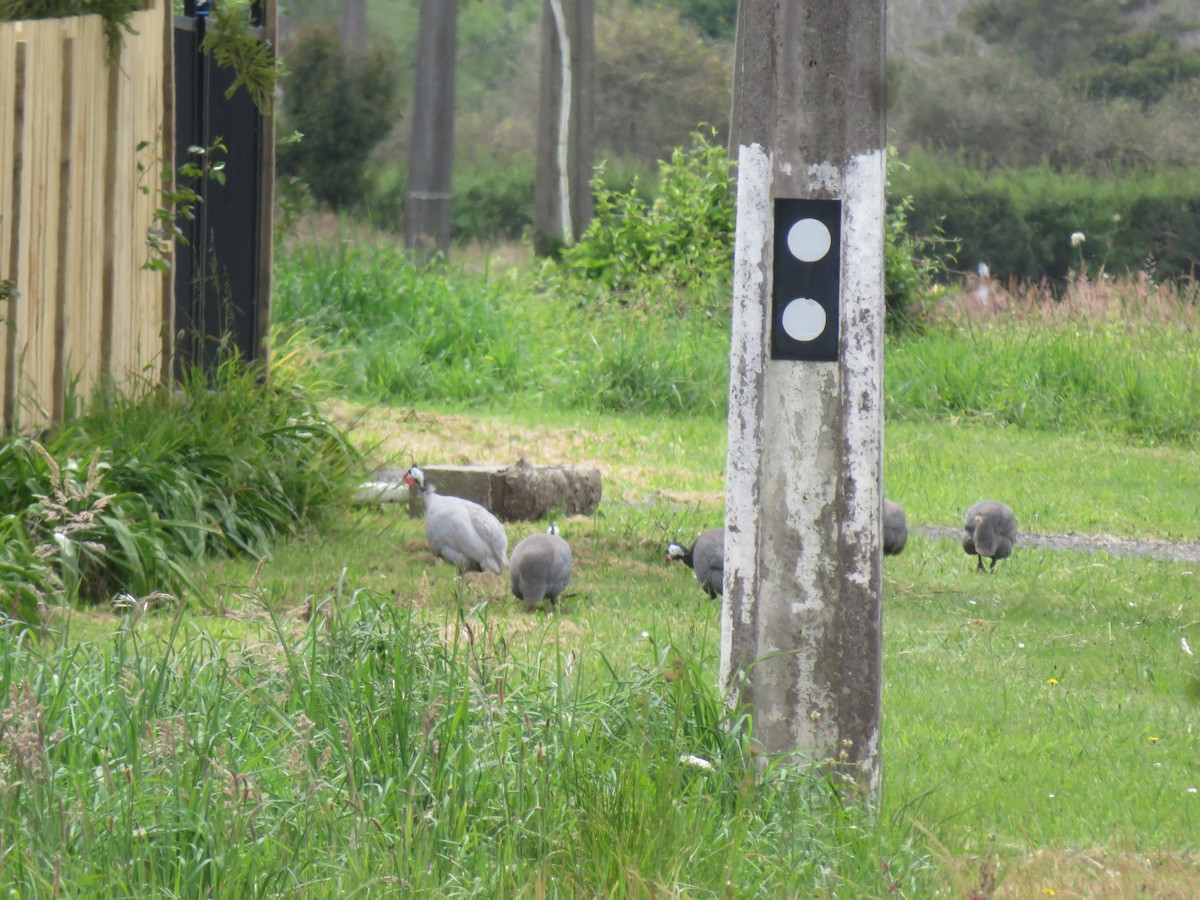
(682, 239)
(657, 79)
(117, 15)
(1142, 67)
(492, 202)
(1142, 383)
(1020, 221)
(342, 107)
(233, 45)
(911, 266)
(303, 766)
(178, 198)
(1049, 36)
(223, 466)
(714, 18)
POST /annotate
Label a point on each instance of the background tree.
(342, 107)
(657, 79)
(427, 202)
(353, 29)
(562, 195)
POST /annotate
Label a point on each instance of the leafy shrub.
(124, 497)
(343, 108)
(911, 267)
(492, 202)
(683, 238)
(1020, 222)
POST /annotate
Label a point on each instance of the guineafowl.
(706, 557)
(540, 567)
(990, 530)
(895, 529)
(461, 531)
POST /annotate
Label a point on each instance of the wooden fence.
(77, 198)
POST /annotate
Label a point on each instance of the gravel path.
(1170, 551)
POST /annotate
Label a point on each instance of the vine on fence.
(178, 198)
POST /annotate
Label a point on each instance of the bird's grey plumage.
(540, 567)
(461, 531)
(706, 557)
(989, 529)
(895, 528)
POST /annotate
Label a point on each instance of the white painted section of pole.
(564, 121)
(751, 275)
(803, 494)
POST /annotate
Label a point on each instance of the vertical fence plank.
(85, 299)
(148, 108)
(10, 147)
(41, 155)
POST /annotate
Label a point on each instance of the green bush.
(1020, 222)
(342, 107)
(492, 203)
(124, 497)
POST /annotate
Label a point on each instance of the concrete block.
(520, 492)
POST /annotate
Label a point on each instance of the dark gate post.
(223, 272)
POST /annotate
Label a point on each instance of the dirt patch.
(401, 437)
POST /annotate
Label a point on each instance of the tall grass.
(122, 498)
(1119, 357)
(395, 332)
(371, 751)
(1093, 362)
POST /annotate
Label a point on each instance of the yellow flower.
(1154, 738)
(1049, 891)
(1051, 681)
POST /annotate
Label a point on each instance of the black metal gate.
(220, 288)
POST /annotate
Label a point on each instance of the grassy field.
(344, 715)
(1038, 723)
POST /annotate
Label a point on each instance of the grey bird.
(706, 557)
(990, 529)
(895, 529)
(461, 531)
(540, 567)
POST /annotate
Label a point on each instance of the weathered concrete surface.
(801, 638)
(520, 492)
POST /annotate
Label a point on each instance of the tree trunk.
(427, 203)
(353, 31)
(562, 195)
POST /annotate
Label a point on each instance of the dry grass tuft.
(1135, 297)
(1100, 875)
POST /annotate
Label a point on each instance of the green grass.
(1057, 483)
(345, 715)
(1061, 673)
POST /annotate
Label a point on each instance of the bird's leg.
(979, 568)
(993, 566)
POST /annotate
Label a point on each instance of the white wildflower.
(698, 761)
(1077, 238)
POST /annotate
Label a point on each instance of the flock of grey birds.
(469, 537)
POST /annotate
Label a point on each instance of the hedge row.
(1020, 222)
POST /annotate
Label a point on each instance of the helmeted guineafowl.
(461, 531)
(990, 529)
(540, 567)
(706, 557)
(895, 529)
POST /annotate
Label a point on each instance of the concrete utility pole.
(801, 636)
(562, 194)
(427, 203)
